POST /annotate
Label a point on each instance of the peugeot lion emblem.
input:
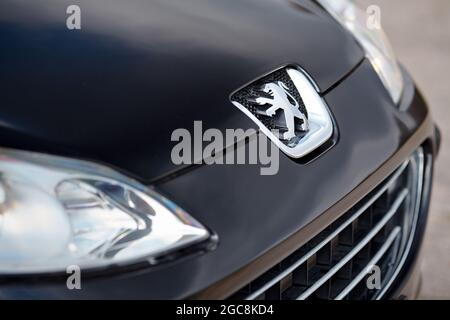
(287, 108)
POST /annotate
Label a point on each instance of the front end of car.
(87, 181)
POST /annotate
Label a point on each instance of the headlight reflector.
(56, 212)
(373, 40)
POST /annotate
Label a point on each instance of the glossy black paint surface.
(116, 89)
(252, 213)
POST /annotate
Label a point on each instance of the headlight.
(56, 212)
(373, 41)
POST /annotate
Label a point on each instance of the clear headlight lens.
(56, 212)
(373, 41)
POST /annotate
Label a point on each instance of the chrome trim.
(419, 189)
(319, 117)
(389, 241)
(303, 259)
(373, 232)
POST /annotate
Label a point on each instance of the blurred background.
(419, 31)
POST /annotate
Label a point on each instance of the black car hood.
(114, 91)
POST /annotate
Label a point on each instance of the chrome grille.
(336, 263)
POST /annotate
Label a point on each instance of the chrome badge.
(287, 108)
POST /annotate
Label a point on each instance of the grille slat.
(334, 264)
(358, 247)
(392, 237)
